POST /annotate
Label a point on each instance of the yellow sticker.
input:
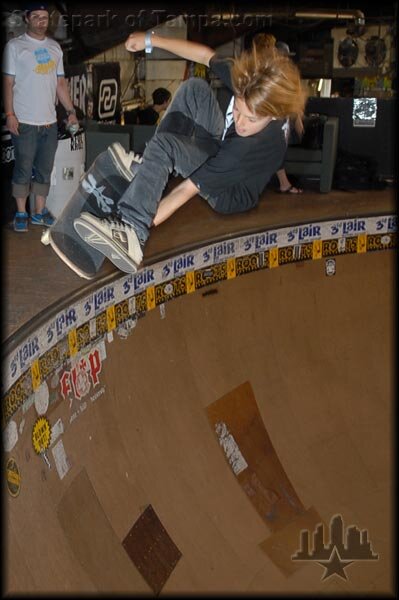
(190, 282)
(13, 477)
(317, 249)
(231, 268)
(72, 342)
(150, 293)
(35, 370)
(111, 320)
(273, 258)
(362, 243)
(41, 435)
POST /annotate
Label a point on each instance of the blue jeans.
(34, 151)
(187, 136)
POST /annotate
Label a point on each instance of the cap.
(35, 6)
(284, 49)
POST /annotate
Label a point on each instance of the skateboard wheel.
(45, 239)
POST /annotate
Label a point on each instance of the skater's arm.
(177, 197)
(185, 49)
(299, 127)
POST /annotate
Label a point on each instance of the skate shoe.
(115, 239)
(124, 161)
(20, 222)
(44, 218)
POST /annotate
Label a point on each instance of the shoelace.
(116, 222)
(137, 158)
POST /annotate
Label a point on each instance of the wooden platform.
(35, 278)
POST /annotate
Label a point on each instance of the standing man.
(33, 80)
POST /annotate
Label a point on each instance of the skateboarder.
(226, 159)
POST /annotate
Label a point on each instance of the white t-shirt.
(36, 66)
(228, 119)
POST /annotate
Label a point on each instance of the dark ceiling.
(93, 27)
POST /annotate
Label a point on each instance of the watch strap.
(147, 42)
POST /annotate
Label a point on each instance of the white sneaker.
(123, 160)
(115, 239)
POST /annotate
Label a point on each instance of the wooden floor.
(34, 278)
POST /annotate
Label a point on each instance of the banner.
(77, 78)
(95, 90)
(104, 91)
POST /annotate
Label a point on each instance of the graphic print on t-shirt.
(45, 63)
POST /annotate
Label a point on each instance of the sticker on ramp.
(13, 477)
(330, 266)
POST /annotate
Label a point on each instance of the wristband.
(147, 42)
(10, 115)
(71, 112)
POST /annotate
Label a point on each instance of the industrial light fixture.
(348, 52)
(375, 51)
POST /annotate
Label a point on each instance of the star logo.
(335, 566)
(342, 550)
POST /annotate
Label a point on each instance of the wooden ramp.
(119, 481)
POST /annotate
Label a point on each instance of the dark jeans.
(34, 149)
(187, 136)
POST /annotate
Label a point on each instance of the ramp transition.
(235, 440)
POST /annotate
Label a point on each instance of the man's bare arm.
(8, 103)
(173, 201)
(185, 49)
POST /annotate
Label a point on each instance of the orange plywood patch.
(247, 446)
(151, 549)
(283, 544)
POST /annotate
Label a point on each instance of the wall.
(158, 69)
(377, 142)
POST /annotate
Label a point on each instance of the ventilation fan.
(375, 51)
(348, 52)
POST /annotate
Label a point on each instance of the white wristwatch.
(147, 42)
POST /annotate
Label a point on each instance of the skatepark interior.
(181, 442)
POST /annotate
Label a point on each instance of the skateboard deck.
(98, 193)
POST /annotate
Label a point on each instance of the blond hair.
(263, 41)
(269, 83)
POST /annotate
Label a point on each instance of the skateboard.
(98, 193)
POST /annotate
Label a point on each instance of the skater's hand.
(12, 124)
(135, 42)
